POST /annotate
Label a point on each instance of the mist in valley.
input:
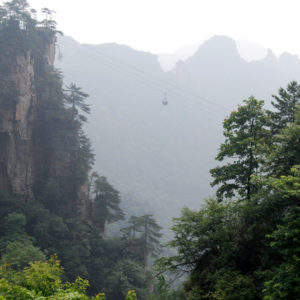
(159, 156)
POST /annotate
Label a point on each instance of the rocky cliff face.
(18, 119)
(16, 131)
(36, 147)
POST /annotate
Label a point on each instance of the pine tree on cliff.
(106, 204)
(75, 97)
(147, 231)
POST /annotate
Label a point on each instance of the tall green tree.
(245, 133)
(75, 97)
(85, 160)
(134, 227)
(48, 22)
(150, 237)
(17, 10)
(125, 275)
(285, 104)
(106, 204)
(286, 151)
(146, 229)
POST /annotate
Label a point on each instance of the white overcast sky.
(163, 26)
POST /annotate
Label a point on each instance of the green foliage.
(147, 232)
(16, 247)
(213, 247)
(116, 266)
(48, 229)
(285, 104)
(19, 253)
(100, 296)
(85, 159)
(145, 227)
(8, 204)
(286, 153)
(75, 97)
(283, 280)
(227, 284)
(41, 280)
(85, 153)
(14, 224)
(200, 237)
(106, 204)
(232, 285)
(20, 30)
(14, 229)
(131, 295)
(163, 291)
(125, 275)
(52, 197)
(246, 133)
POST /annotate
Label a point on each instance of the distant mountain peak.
(219, 45)
(287, 57)
(217, 50)
(271, 56)
(220, 39)
(247, 50)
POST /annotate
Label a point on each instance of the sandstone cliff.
(16, 131)
(38, 140)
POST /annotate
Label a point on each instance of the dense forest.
(243, 243)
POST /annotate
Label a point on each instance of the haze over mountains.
(247, 50)
(158, 155)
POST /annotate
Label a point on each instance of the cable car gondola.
(165, 100)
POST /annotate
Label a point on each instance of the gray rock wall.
(16, 132)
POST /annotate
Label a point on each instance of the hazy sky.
(163, 26)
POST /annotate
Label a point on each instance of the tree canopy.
(245, 132)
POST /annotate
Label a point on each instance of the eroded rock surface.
(16, 131)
